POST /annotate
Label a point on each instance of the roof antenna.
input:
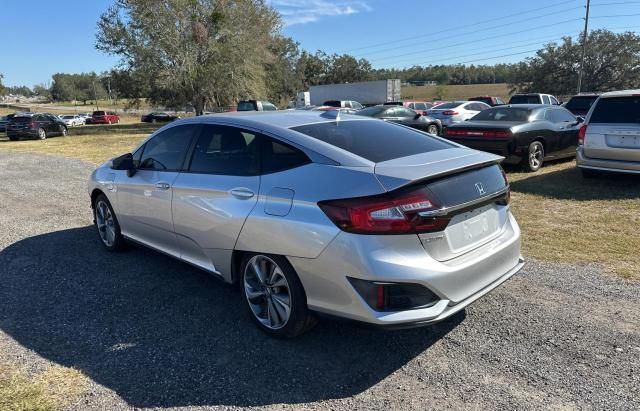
(332, 114)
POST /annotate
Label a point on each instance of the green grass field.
(461, 92)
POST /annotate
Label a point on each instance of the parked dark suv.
(256, 105)
(35, 126)
(580, 104)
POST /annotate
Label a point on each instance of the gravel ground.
(151, 332)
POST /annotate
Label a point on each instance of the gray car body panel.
(203, 219)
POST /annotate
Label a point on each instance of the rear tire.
(274, 296)
(433, 129)
(64, 132)
(42, 134)
(535, 156)
(107, 224)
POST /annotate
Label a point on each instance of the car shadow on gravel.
(568, 184)
(160, 333)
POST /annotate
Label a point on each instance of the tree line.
(202, 54)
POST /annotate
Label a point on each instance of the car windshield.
(581, 102)
(371, 111)
(617, 110)
(525, 99)
(452, 104)
(503, 114)
(373, 140)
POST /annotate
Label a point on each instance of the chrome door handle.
(163, 186)
(241, 193)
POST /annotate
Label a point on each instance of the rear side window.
(226, 150)
(525, 99)
(373, 140)
(617, 110)
(277, 156)
(166, 150)
(246, 106)
(545, 100)
(503, 114)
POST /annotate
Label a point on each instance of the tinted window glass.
(167, 149)
(246, 106)
(419, 106)
(553, 100)
(545, 100)
(524, 99)
(581, 103)
(404, 112)
(277, 156)
(503, 114)
(448, 105)
(373, 140)
(617, 110)
(226, 151)
(564, 116)
(98, 113)
(371, 111)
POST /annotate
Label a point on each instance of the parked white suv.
(609, 140)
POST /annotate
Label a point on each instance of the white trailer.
(364, 92)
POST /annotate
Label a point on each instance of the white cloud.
(309, 11)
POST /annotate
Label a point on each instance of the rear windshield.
(617, 110)
(20, 119)
(503, 114)
(581, 103)
(371, 111)
(373, 140)
(482, 99)
(448, 105)
(246, 106)
(525, 99)
(98, 113)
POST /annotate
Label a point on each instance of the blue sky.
(42, 37)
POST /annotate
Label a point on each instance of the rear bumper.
(506, 148)
(606, 165)
(457, 282)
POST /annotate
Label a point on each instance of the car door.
(144, 199)
(570, 127)
(555, 134)
(215, 194)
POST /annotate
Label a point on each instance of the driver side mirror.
(124, 162)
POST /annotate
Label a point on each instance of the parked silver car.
(456, 111)
(609, 140)
(317, 212)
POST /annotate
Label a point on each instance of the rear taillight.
(479, 133)
(450, 113)
(581, 134)
(31, 125)
(392, 213)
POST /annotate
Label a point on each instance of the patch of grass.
(94, 144)
(569, 219)
(49, 390)
(458, 92)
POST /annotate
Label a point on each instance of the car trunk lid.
(613, 142)
(469, 188)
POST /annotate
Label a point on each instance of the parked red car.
(104, 117)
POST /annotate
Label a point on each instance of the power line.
(616, 15)
(459, 27)
(475, 31)
(476, 41)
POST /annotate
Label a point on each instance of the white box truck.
(364, 92)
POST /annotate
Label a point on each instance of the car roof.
(621, 93)
(279, 124)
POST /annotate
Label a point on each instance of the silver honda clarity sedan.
(311, 212)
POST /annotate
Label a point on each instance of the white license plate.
(623, 141)
(471, 228)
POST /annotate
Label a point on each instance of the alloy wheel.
(433, 129)
(267, 292)
(536, 156)
(105, 223)
(42, 134)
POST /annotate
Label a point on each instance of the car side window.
(405, 112)
(564, 116)
(553, 100)
(419, 106)
(268, 107)
(356, 105)
(545, 100)
(277, 156)
(226, 150)
(166, 150)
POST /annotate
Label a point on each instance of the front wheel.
(275, 296)
(432, 129)
(107, 224)
(64, 131)
(535, 156)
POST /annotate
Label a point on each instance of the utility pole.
(584, 46)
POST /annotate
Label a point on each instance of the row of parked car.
(42, 125)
